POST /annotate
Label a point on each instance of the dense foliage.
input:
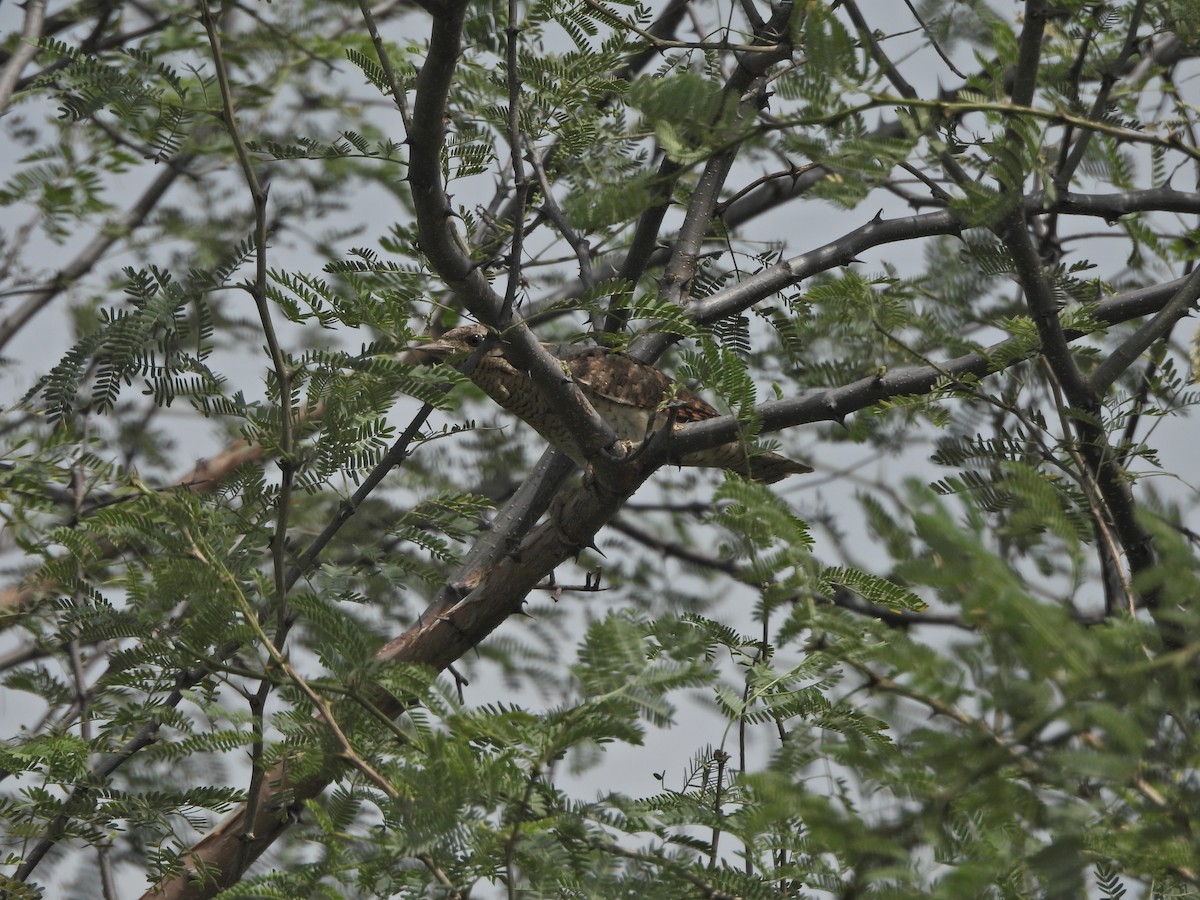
(943, 250)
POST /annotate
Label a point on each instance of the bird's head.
(458, 343)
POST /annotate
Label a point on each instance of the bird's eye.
(474, 340)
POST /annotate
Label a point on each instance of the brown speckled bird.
(633, 397)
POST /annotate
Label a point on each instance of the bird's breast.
(630, 422)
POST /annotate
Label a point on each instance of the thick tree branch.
(788, 272)
(1138, 343)
(835, 404)
(1102, 462)
(745, 293)
(1029, 52)
(1043, 308)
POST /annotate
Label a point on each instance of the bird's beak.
(429, 354)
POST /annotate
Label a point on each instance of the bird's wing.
(619, 378)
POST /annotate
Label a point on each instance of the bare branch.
(1138, 343)
(26, 49)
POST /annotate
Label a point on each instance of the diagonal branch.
(1139, 342)
(26, 50)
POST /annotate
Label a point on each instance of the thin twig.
(1100, 514)
(579, 244)
(283, 376)
(250, 617)
(146, 735)
(440, 876)
(721, 758)
(954, 109)
(867, 35)
(510, 844)
(933, 41)
(1069, 160)
(399, 97)
(516, 144)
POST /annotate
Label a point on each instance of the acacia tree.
(966, 670)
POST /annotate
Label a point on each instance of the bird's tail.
(765, 467)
